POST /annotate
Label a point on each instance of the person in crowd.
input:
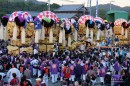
(107, 79)
(67, 73)
(92, 76)
(102, 73)
(34, 64)
(116, 41)
(45, 75)
(117, 79)
(15, 81)
(78, 71)
(27, 73)
(1, 65)
(1, 81)
(127, 80)
(11, 74)
(54, 72)
(82, 48)
(25, 82)
(72, 77)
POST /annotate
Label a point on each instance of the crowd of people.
(110, 65)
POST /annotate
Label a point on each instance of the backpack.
(67, 70)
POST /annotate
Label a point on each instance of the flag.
(37, 24)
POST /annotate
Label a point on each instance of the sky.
(121, 3)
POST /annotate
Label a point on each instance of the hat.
(38, 79)
(108, 72)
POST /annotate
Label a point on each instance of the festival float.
(20, 32)
(86, 27)
(100, 28)
(121, 30)
(46, 36)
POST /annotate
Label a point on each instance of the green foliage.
(102, 13)
(7, 6)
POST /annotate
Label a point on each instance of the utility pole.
(84, 9)
(110, 4)
(49, 5)
(97, 8)
(90, 7)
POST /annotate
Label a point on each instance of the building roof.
(65, 15)
(69, 7)
(32, 13)
(116, 11)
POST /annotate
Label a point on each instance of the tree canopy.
(8, 6)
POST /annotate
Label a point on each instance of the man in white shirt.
(11, 71)
(82, 47)
(128, 54)
(34, 63)
(35, 51)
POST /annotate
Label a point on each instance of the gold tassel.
(36, 36)
(75, 35)
(1, 32)
(23, 36)
(43, 33)
(122, 31)
(63, 35)
(92, 35)
(60, 36)
(5, 33)
(87, 31)
(98, 34)
(15, 33)
(51, 36)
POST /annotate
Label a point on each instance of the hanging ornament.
(36, 36)
(69, 41)
(75, 35)
(92, 35)
(87, 32)
(2, 32)
(15, 33)
(23, 35)
(43, 33)
(63, 35)
(98, 34)
(51, 36)
(126, 33)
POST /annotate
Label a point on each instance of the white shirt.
(34, 62)
(82, 47)
(35, 51)
(2, 74)
(128, 54)
(11, 71)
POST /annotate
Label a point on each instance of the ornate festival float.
(20, 32)
(121, 29)
(46, 32)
